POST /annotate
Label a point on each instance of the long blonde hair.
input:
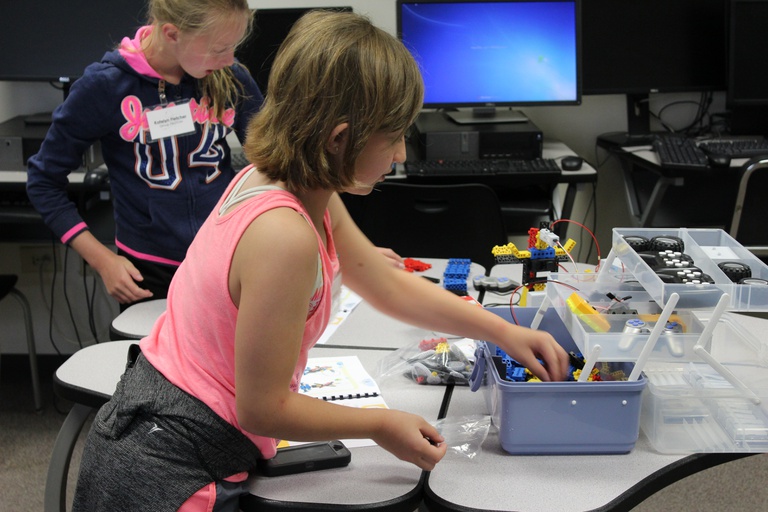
(196, 16)
(332, 68)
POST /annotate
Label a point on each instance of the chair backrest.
(437, 221)
(748, 225)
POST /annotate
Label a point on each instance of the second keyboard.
(678, 152)
(737, 147)
(485, 167)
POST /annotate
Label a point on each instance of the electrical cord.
(66, 297)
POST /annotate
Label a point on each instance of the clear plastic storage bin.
(623, 335)
(707, 248)
(696, 406)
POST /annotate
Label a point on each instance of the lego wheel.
(735, 271)
(638, 243)
(667, 243)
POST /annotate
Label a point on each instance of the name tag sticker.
(170, 121)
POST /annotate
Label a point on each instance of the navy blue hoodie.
(161, 191)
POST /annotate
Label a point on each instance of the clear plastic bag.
(464, 435)
(436, 361)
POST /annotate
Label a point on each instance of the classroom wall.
(67, 320)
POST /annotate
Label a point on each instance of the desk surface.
(496, 480)
(492, 481)
(84, 382)
(375, 479)
(137, 321)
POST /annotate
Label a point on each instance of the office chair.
(437, 221)
(8, 287)
(751, 211)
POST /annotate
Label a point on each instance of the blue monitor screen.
(494, 52)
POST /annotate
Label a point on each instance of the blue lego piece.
(542, 254)
(456, 274)
(455, 285)
(516, 374)
(457, 268)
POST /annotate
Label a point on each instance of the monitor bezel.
(126, 27)
(262, 72)
(588, 89)
(731, 100)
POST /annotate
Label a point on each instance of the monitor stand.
(480, 115)
(638, 124)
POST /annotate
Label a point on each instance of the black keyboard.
(679, 152)
(737, 147)
(479, 168)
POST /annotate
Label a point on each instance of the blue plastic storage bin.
(558, 417)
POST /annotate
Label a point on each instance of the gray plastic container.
(558, 417)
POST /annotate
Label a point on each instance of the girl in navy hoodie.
(162, 105)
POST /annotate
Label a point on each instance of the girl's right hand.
(410, 438)
(120, 277)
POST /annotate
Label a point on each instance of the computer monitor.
(747, 95)
(54, 40)
(497, 53)
(270, 27)
(641, 47)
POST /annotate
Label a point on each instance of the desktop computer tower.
(440, 138)
(22, 136)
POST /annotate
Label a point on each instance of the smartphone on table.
(306, 457)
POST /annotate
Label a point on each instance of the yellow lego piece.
(566, 249)
(539, 244)
(442, 348)
(510, 249)
(587, 313)
(674, 317)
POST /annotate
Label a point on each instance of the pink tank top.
(192, 343)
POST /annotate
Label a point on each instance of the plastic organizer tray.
(691, 405)
(558, 417)
(707, 248)
(619, 337)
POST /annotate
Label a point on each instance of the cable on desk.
(66, 297)
(597, 245)
(90, 300)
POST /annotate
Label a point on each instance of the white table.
(375, 479)
(137, 320)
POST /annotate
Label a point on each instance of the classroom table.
(375, 479)
(658, 195)
(137, 320)
(496, 480)
(88, 378)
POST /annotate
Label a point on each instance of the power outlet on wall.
(33, 257)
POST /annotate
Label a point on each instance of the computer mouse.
(571, 163)
(716, 160)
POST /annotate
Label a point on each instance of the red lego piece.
(431, 343)
(414, 265)
(532, 234)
